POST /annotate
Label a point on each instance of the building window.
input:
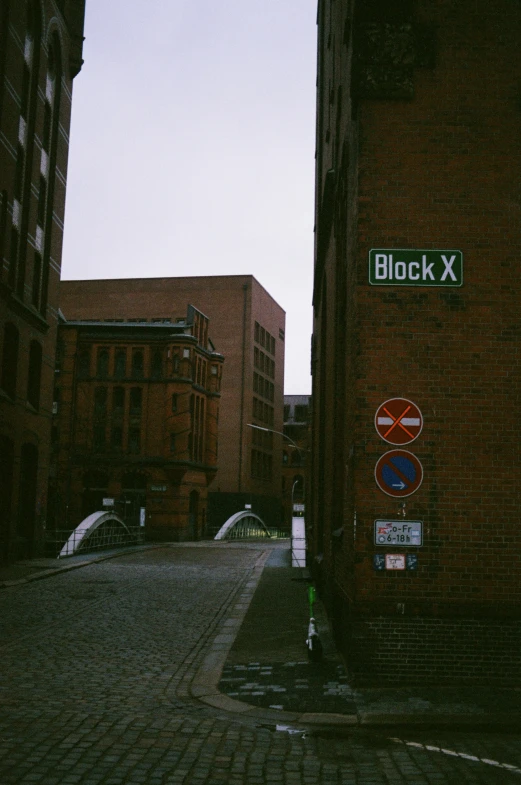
(134, 440)
(37, 279)
(84, 364)
(102, 364)
(136, 400)
(172, 442)
(116, 437)
(99, 437)
(301, 413)
(120, 364)
(138, 364)
(157, 365)
(34, 375)
(118, 401)
(100, 403)
(174, 402)
(10, 360)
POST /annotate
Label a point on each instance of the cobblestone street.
(94, 689)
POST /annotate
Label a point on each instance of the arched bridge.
(243, 525)
(98, 530)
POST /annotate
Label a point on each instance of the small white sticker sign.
(398, 533)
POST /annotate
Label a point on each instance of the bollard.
(313, 642)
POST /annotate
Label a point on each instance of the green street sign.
(394, 267)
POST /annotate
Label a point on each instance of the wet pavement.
(187, 664)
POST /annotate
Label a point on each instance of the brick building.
(135, 421)
(295, 453)
(416, 297)
(40, 54)
(248, 328)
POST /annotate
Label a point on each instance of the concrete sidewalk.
(257, 664)
(266, 671)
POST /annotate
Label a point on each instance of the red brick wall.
(232, 303)
(438, 170)
(28, 297)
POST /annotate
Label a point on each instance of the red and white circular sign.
(398, 421)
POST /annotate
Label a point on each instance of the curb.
(50, 572)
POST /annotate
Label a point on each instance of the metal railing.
(109, 535)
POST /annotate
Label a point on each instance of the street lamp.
(280, 433)
(284, 436)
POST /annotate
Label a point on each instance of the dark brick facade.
(418, 147)
(40, 54)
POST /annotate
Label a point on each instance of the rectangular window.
(116, 437)
(134, 440)
(99, 437)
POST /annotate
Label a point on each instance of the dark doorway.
(6, 495)
(193, 515)
(27, 501)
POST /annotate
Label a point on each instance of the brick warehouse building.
(247, 327)
(414, 533)
(40, 54)
(136, 407)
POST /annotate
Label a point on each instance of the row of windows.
(264, 363)
(9, 367)
(301, 413)
(262, 439)
(264, 338)
(263, 387)
(27, 150)
(261, 465)
(123, 363)
(101, 399)
(263, 412)
(112, 438)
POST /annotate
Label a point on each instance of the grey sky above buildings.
(192, 149)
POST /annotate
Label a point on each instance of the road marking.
(464, 755)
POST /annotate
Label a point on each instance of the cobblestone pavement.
(96, 666)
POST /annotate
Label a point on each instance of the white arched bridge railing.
(98, 530)
(243, 525)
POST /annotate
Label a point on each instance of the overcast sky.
(192, 149)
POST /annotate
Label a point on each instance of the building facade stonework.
(40, 54)
(136, 410)
(416, 297)
(248, 329)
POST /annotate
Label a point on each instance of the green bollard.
(311, 597)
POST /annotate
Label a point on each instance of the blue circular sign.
(398, 473)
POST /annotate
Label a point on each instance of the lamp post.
(299, 557)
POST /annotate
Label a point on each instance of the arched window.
(34, 374)
(27, 498)
(10, 360)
